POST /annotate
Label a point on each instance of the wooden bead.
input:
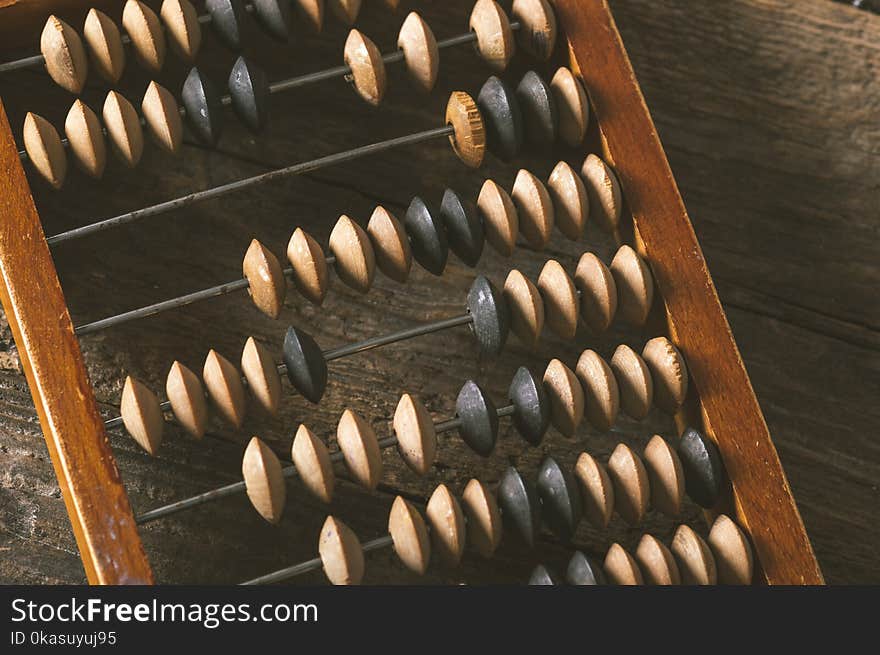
(702, 466)
(274, 17)
(447, 525)
(560, 498)
(566, 397)
(390, 244)
(635, 285)
(427, 236)
(634, 382)
(572, 106)
(305, 364)
(226, 20)
(537, 32)
(464, 230)
(500, 220)
(669, 373)
(538, 109)
(478, 417)
(601, 393)
(142, 415)
(182, 25)
(604, 192)
(409, 536)
(309, 266)
(560, 299)
(204, 107)
(313, 464)
(534, 208)
(570, 201)
(341, 553)
(420, 51)
(123, 128)
(44, 149)
(261, 373)
(598, 292)
(656, 562)
(367, 67)
(225, 388)
(484, 529)
(187, 397)
(732, 552)
(621, 568)
(264, 480)
(469, 132)
(597, 491)
(416, 438)
(490, 316)
(65, 56)
(345, 10)
(249, 90)
(520, 506)
(665, 475)
(146, 34)
(695, 561)
(359, 446)
(83, 130)
(494, 36)
(355, 259)
(531, 406)
(632, 493)
(502, 118)
(312, 11)
(268, 285)
(163, 117)
(105, 45)
(526, 307)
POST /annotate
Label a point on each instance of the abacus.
(617, 344)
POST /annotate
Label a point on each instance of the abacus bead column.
(560, 499)
(703, 469)
(367, 67)
(621, 568)
(390, 244)
(225, 389)
(491, 317)
(484, 529)
(669, 373)
(634, 382)
(146, 34)
(187, 397)
(526, 307)
(500, 220)
(656, 562)
(204, 110)
(249, 89)
(732, 552)
(309, 266)
(603, 190)
(560, 299)
(534, 208)
(597, 490)
(539, 110)
(44, 149)
(305, 364)
(264, 480)
(312, 11)
(226, 18)
(469, 132)
(463, 227)
(520, 506)
(566, 397)
(542, 576)
(427, 237)
(420, 51)
(635, 285)
(632, 491)
(183, 28)
(345, 10)
(447, 525)
(355, 259)
(142, 415)
(262, 376)
(537, 33)
(341, 553)
(274, 17)
(665, 475)
(531, 406)
(409, 536)
(598, 292)
(123, 128)
(65, 57)
(416, 437)
(695, 561)
(479, 418)
(582, 570)
(360, 448)
(267, 284)
(572, 106)
(494, 36)
(312, 460)
(163, 117)
(570, 201)
(502, 116)
(602, 396)
(105, 45)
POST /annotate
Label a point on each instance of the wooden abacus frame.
(656, 223)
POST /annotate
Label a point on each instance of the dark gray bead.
(226, 17)
(463, 227)
(703, 468)
(249, 89)
(502, 117)
(479, 418)
(427, 237)
(306, 366)
(541, 575)
(491, 316)
(531, 409)
(539, 110)
(203, 109)
(560, 499)
(583, 570)
(274, 17)
(520, 507)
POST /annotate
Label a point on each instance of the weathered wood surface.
(769, 114)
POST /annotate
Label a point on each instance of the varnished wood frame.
(722, 397)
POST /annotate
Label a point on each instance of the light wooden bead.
(390, 244)
(184, 30)
(494, 36)
(225, 388)
(44, 149)
(268, 285)
(86, 139)
(669, 373)
(313, 13)
(123, 128)
(634, 382)
(603, 191)
(566, 397)
(261, 373)
(500, 220)
(484, 528)
(416, 438)
(360, 448)
(309, 266)
(187, 397)
(560, 299)
(695, 561)
(598, 292)
(537, 32)
(534, 208)
(572, 106)
(355, 259)
(313, 464)
(621, 568)
(420, 51)
(632, 493)
(447, 525)
(146, 34)
(468, 139)
(345, 10)
(142, 415)
(656, 562)
(732, 552)
(601, 394)
(666, 476)
(597, 491)
(264, 480)
(409, 536)
(635, 285)
(163, 117)
(571, 204)
(367, 67)
(341, 553)
(526, 307)
(105, 45)
(65, 56)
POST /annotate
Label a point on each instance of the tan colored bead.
(184, 30)
(367, 67)
(264, 480)
(566, 397)
(163, 117)
(83, 130)
(124, 128)
(224, 388)
(635, 285)
(526, 307)
(632, 493)
(572, 105)
(420, 51)
(409, 536)
(105, 45)
(598, 292)
(695, 561)
(571, 204)
(187, 397)
(341, 553)
(621, 568)
(44, 149)
(313, 13)
(634, 382)
(732, 552)
(65, 56)
(484, 529)
(669, 372)
(494, 36)
(560, 299)
(601, 394)
(360, 448)
(597, 491)
(534, 208)
(447, 525)
(537, 32)
(603, 190)
(468, 139)
(313, 464)
(142, 415)
(268, 285)
(500, 220)
(345, 10)
(309, 266)
(146, 34)
(261, 374)
(416, 438)
(666, 476)
(355, 259)
(390, 244)
(656, 562)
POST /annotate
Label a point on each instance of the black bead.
(543, 576)
(463, 227)
(520, 506)
(583, 570)
(274, 17)
(703, 469)
(306, 366)
(203, 109)
(427, 237)
(226, 18)
(502, 117)
(249, 89)
(539, 110)
(560, 499)
(531, 409)
(491, 315)
(479, 418)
